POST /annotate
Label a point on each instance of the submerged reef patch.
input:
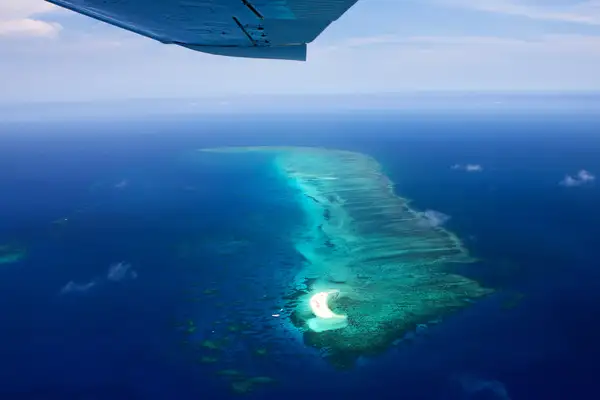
(11, 253)
(376, 265)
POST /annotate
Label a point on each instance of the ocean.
(136, 267)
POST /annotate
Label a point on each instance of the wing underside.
(274, 29)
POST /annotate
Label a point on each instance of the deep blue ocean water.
(205, 238)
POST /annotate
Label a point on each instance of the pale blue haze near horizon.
(378, 46)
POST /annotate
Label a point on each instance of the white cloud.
(29, 27)
(74, 287)
(468, 167)
(433, 218)
(122, 184)
(18, 19)
(473, 168)
(116, 273)
(21, 8)
(583, 177)
(582, 12)
(120, 271)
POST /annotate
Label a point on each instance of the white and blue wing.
(275, 29)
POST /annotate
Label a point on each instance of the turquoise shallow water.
(213, 242)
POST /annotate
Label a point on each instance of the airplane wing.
(272, 29)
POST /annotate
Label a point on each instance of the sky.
(378, 46)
